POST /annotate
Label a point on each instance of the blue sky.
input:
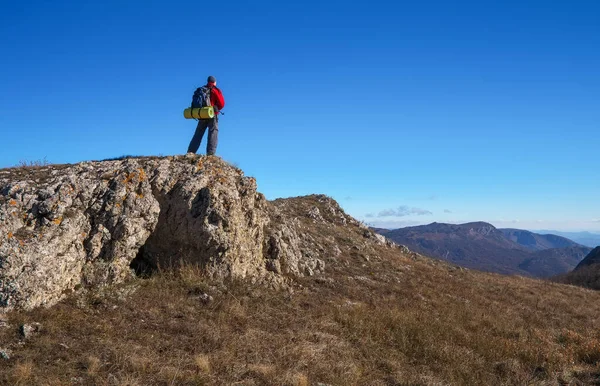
(405, 112)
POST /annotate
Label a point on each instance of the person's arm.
(218, 101)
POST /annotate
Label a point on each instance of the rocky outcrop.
(65, 227)
(307, 232)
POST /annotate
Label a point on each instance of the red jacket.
(216, 97)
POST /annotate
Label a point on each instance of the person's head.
(212, 80)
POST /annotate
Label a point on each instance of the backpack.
(201, 97)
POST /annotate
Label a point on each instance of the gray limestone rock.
(92, 224)
(64, 227)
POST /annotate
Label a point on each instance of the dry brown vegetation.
(33, 164)
(414, 322)
(372, 319)
(586, 276)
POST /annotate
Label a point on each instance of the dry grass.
(586, 276)
(22, 372)
(39, 171)
(404, 322)
(33, 164)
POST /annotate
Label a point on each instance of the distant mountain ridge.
(546, 263)
(535, 241)
(588, 239)
(480, 245)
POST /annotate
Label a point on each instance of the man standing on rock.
(214, 96)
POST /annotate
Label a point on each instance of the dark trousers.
(213, 136)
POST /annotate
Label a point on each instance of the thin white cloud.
(387, 213)
(393, 224)
(502, 220)
(403, 211)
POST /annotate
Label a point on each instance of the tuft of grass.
(33, 164)
(202, 362)
(22, 372)
(92, 364)
(301, 380)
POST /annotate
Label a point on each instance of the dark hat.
(212, 79)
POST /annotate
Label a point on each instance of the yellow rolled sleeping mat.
(199, 113)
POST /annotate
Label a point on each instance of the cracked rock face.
(63, 228)
(291, 249)
(293, 252)
(67, 226)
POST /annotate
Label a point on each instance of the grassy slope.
(374, 318)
